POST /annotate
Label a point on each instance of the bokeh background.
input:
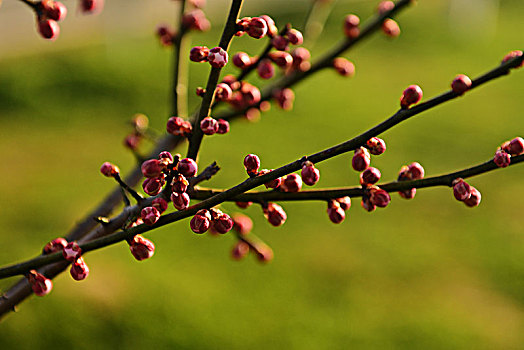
(426, 273)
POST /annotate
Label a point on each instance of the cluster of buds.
(165, 34)
(217, 56)
(195, 20)
(155, 171)
(375, 197)
(140, 123)
(466, 193)
(210, 126)
(71, 252)
(389, 26)
(179, 127)
(48, 14)
(503, 154)
(413, 171)
(213, 219)
(244, 93)
(351, 26)
(256, 27)
(337, 209)
(291, 36)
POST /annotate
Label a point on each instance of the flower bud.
(72, 251)
(280, 43)
(56, 245)
(367, 205)
(223, 92)
(361, 159)
(412, 95)
(379, 197)
(187, 167)
(285, 98)
(165, 158)
(178, 126)
(344, 67)
(310, 175)
(200, 91)
(109, 169)
(272, 29)
(141, 248)
(199, 54)
(376, 146)
(511, 55)
(48, 29)
(240, 250)
(502, 159)
(180, 200)
(385, 6)
(243, 205)
(223, 126)
(408, 194)
(265, 69)
(461, 190)
(275, 214)
(39, 283)
(300, 57)
(241, 60)
(209, 126)
(291, 183)
(415, 171)
(200, 223)
(344, 202)
(281, 58)
(223, 223)
(196, 20)
(79, 269)
(370, 176)
(91, 6)
(474, 198)
(251, 163)
(391, 28)
(335, 212)
(273, 183)
(242, 224)
(257, 28)
(152, 168)
(159, 204)
(217, 57)
(149, 215)
(54, 10)
(153, 186)
(461, 84)
(295, 37)
(351, 29)
(132, 141)
(514, 147)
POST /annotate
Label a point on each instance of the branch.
(179, 85)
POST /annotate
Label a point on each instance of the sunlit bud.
(217, 57)
(223, 92)
(285, 98)
(416, 171)
(461, 190)
(461, 84)
(273, 183)
(152, 168)
(376, 146)
(72, 251)
(391, 28)
(513, 54)
(223, 126)
(310, 175)
(412, 95)
(301, 58)
(514, 147)
(408, 194)
(180, 200)
(200, 91)
(361, 159)
(370, 176)
(196, 20)
(223, 223)
(178, 126)
(54, 10)
(199, 54)
(335, 212)
(209, 126)
(295, 37)
(39, 283)
(159, 204)
(474, 198)
(141, 248)
(280, 43)
(272, 29)
(385, 6)
(257, 28)
(200, 223)
(344, 67)
(367, 205)
(48, 29)
(291, 183)
(187, 167)
(56, 245)
(281, 58)
(344, 202)
(379, 197)
(241, 60)
(351, 29)
(252, 164)
(149, 215)
(275, 214)
(153, 186)
(165, 157)
(240, 250)
(502, 159)
(91, 6)
(265, 69)
(79, 269)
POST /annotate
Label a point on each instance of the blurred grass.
(427, 273)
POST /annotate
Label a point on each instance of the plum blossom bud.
(72, 251)
(391, 28)
(187, 167)
(132, 141)
(344, 202)
(502, 159)
(385, 6)
(252, 164)
(223, 126)
(200, 91)
(223, 223)
(217, 57)
(149, 215)
(56, 245)
(301, 58)
(412, 95)
(152, 168)
(240, 250)
(165, 157)
(351, 29)
(209, 126)
(265, 69)
(416, 171)
(243, 25)
(408, 194)
(361, 159)
(159, 204)
(200, 223)
(295, 37)
(178, 126)
(461, 84)
(79, 269)
(514, 147)
(379, 197)
(291, 183)
(474, 198)
(241, 60)
(109, 169)
(344, 67)
(273, 183)
(280, 43)
(461, 190)
(242, 224)
(257, 28)
(141, 248)
(376, 146)
(196, 20)
(281, 58)
(223, 92)
(243, 205)
(199, 54)
(39, 283)
(335, 212)
(285, 98)
(272, 29)
(275, 214)
(513, 54)
(180, 200)
(153, 186)
(370, 176)
(54, 10)
(367, 205)
(48, 29)
(140, 122)
(310, 175)
(91, 6)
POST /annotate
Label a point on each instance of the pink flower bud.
(391, 28)
(250, 94)
(199, 54)
(48, 29)
(367, 205)
(415, 171)
(280, 43)
(344, 202)
(344, 67)
(291, 183)
(159, 204)
(141, 248)
(56, 245)
(91, 6)
(109, 169)
(310, 175)
(511, 55)
(178, 126)
(240, 250)
(376, 146)
(272, 29)
(165, 157)
(295, 37)
(370, 176)
(243, 205)
(275, 214)
(361, 159)
(385, 6)
(187, 167)
(223, 126)
(223, 92)
(79, 269)
(474, 198)
(265, 69)
(281, 58)
(196, 20)
(242, 224)
(461, 190)
(461, 84)
(301, 58)
(351, 23)
(39, 283)
(149, 215)
(241, 60)
(335, 212)
(502, 159)
(72, 251)
(217, 57)
(257, 28)
(153, 186)
(412, 95)
(514, 147)
(209, 126)
(408, 194)
(273, 183)
(200, 223)
(54, 10)
(379, 197)
(251, 163)
(132, 141)
(152, 168)
(285, 98)
(180, 200)
(223, 223)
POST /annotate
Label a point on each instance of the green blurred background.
(426, 273)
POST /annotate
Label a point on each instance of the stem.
(30, 4)
(179, 85)
(138, 197)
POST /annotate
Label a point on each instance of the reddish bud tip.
(56, 245)
(361, 159)
(376, 146)
(187, 167)
(252, 164)
(209, 126)
(391, 28)
(109, 169)
(514, 147)
(295, 37)
(91, 6)
(243, 205)
(461, 190)
(199, 54)
(242, 224)
(153, 186)
(159, 204)
(513, 54)
(474, 198)
(461, 84)
(223, 126)
(281, 58)
(280, 43)
(241, 60)
(385, 6)
(370, 176)
(272, 29)
(223, 223)
(335, 212)
(291, 183)
(285, 98)
(351, 23)
(152, 168)
(412, 95)
(502, 159)
(217, 57)
(200, 223)
(223, 92)
(344, 67)
(48, 29)
(39, 283)
(257, 28)
(72, 251)
(265, 69)
(180, 200)
(379, 197)
(79, 269)
(149, 215)
(310, 175)
(416, 171)
(275, 214)
(141, 248)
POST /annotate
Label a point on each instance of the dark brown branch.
(179, 85)
(207, 174)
